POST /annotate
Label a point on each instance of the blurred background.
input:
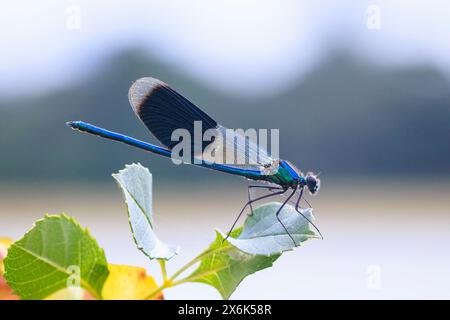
(359, 91)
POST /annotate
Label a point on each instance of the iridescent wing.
(163, 110)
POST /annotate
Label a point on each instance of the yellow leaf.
(71, 293)
(6, 292)
(128, 283)
(4, 244)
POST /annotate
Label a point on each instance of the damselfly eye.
(312, 182)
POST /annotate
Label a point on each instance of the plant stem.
(185, 267)
(157, 290)
(197, 259)
(169, 282)
(162, 264)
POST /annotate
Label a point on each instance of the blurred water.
(400, 231)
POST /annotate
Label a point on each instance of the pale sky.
(240, 46)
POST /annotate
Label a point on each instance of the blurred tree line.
(346, 117)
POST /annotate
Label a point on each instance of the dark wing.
(164, 110)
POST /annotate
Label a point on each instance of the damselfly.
(163, 110)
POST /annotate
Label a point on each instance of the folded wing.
(164, 110)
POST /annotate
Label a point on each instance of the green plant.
(57, 256)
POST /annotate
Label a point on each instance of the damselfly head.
(312, 183)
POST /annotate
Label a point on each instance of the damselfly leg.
(279, 211)
(249, 188)
(249, 203)
(298, 209)
(296, 204)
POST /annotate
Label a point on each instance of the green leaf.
(136, 184)
(264, 234)
(224, 266)
(56, 253)
(251, 248)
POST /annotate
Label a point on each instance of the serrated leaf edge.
(36, 224)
